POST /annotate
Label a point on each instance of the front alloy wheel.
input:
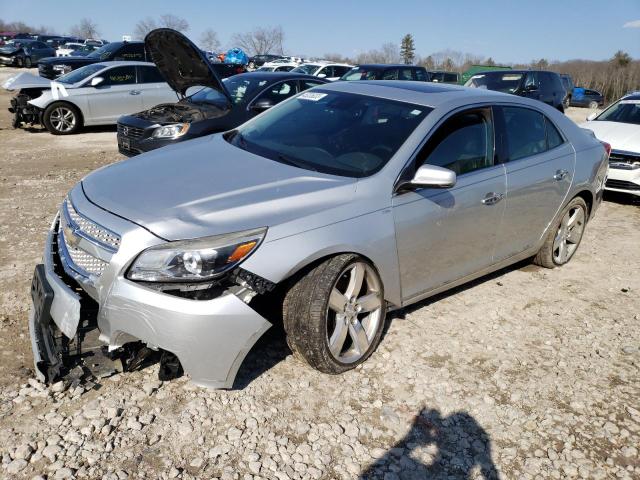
(334, 314)
(62, 118)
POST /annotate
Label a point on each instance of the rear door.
(539, 163)
(118, 94)
(153, 89)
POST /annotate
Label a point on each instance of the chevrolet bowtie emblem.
(71, 237)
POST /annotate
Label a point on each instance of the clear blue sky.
(508, 31)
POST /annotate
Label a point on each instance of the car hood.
(621, 136)
(68, 60)
(180, 62)
(26, 80)
(9, 50)
(207, 187)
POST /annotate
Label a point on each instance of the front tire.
(564, 237)
(334, 314)
(62, 118)
(27, 62)
(593, 105)
(19, 62)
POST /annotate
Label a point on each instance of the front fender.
(371, 235)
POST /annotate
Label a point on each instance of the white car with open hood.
(619, 126)
(96, 94)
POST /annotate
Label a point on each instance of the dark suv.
(387, 72)
(53, 67)
(537, 84)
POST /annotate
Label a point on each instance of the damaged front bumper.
(209, 337)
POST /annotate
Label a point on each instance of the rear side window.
(390, 74)
(528, 133)
(464, 143)
(421, 75)
(150, 75)
(130, 52)
(554, 139)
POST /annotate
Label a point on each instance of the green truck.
(474, 69)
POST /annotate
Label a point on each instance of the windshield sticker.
(511, 77)
(313, 96)
(416, 112)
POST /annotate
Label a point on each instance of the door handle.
(560, 174)
(134, 92)
(492, 198)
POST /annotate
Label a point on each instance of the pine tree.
(407, 49)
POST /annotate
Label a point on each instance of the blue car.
(584, 97)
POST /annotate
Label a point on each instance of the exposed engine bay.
(23, 112)
(183, 111)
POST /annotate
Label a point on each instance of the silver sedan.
(325, 212)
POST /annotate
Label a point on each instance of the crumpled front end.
(84, 307)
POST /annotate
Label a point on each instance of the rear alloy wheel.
(27, 62)
(563, 240)
(62, 118)
(593, 105)
(334, 315)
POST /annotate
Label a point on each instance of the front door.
(445, 235)
(118, 94)
(539, 166)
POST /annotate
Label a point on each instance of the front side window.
(306, 69)
(105, 51)
(623, 111)
(464, 143)
(406, 74)
(279, 92)
(119, 76)
(525, 132)
(390, 74)
(331, 132)
(359, 73)
(420, 75)
(531, 80)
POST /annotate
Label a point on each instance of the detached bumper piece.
(23, 112)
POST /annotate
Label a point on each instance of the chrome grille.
(82, 259)
(91, 229)
(130, 132)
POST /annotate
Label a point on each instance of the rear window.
(507, 82)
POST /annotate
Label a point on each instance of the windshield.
(80, 74)
(499, 81)
(359, 74)
(18, 43)
(623, 111)
(307, 69)
(331, 132)
(240, 88)
(105, 51)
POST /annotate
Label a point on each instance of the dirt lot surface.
(529, 373)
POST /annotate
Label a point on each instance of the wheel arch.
(588, 197)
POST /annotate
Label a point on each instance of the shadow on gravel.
(452, 447)
(268, 351)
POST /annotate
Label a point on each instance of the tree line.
(613, 77)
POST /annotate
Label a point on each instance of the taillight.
(607, 148)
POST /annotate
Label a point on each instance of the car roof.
(422, 93)
(276, 75)
(632, 96)
(385, 65)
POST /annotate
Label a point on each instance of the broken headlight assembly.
(198, 260)
(62, 68)
(171, 131)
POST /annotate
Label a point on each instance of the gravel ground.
(528, 373)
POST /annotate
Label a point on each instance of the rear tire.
(334, 314)
(19, 62)
(62, 118)
(593, 105)
(27, 62)
(564, 236)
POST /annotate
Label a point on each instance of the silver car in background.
(96, 94)
(325, 212)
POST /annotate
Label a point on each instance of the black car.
(537, 84)
(440, 76)
(567, 83)
(214, 106)
(55, 66)
(259, 60)
(24, 52)
(387, 72)
(584, 97)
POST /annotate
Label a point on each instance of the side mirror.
(531, 88)
(592, 116)
(322, 75)
(95, 81)
(262, 105)
(430, 176)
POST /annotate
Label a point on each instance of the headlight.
(195, 260)
(171, 131)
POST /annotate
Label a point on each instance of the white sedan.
(619, 126)
(96, 94)
(330, 71)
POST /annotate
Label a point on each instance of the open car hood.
(180, 62)
(26, 80)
